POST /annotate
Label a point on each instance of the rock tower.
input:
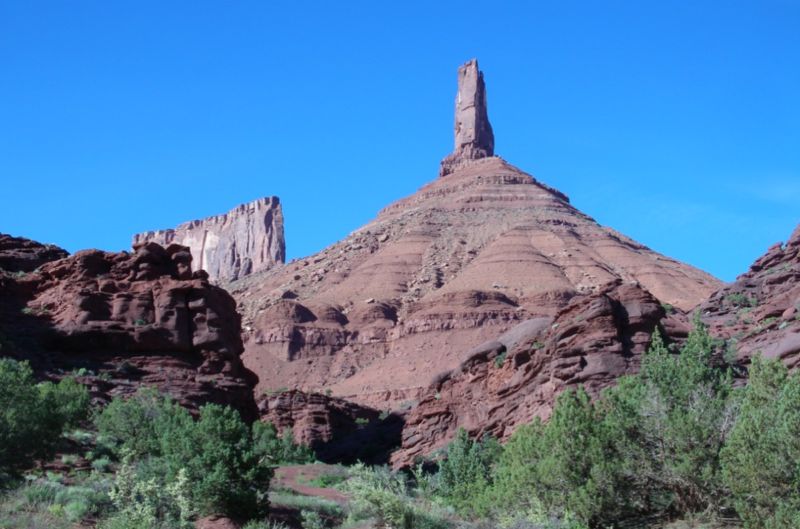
(473, 132)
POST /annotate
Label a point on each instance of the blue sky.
(676, 123)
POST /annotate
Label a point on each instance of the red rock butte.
(247, 239)
(375, 317)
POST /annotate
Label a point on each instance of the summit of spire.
(474, 138)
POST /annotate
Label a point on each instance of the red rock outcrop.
(247, 239)
(506, 382)
(760, 311)
(474, 138)
(129, 320)
(336, 429)
(375, 316)
(24, 255)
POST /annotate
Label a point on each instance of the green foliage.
(740, 299)
(149, 502)
(464, 473)
(761, 461)
(267, 524)
(668, 426)
(33, 417)
(300, 502)
(500, 359)
(651, 444)
(279, 450)
(312, 520)
(136, 425)
(555, 469)
(227, 463)
(43, 503)
(387, 498)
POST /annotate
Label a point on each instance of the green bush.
(761, 461)
(651, 444)
(33, 417)
(136, 425)
(666, 427)
(464, 473)
(280, 450)
(69, 400)
(556, 468)
(227, 463)
(386, 497)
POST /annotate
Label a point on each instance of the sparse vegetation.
(739, 299)
(500, 359)
(675, 441)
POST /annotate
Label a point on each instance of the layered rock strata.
(510, 380)
(375, 316)
(247, 239)
(122, 321)
(759, 313)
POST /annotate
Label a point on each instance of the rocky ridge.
(121, 321)
(247, 239)
(759, 313)
(508, 381)
(24, 255)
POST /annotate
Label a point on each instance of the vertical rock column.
(473, 132)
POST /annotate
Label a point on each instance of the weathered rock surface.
(474, 138)
(24, 255)
(466, 258)
(336, 429)
(760, 311)
(376, 316)
(247, 239)
(129, 320)
(506, 382)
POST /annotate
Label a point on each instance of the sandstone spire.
(473, 132)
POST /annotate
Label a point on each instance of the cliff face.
(123, 321)
(508, 381)
(376, 316)
(247, 239)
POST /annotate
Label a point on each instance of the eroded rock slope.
(484, 247)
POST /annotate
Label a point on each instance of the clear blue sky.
(677, 123)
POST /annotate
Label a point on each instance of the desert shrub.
(465, 472)
(136, 425)
(149, 502)
(761, 461)
(387, 498)
(227, 465)
(667, 426)
(556, 468)
(228, 471)
(265, 524)
(650, 444)
(33, 417)
(281, 450)
(68, 399)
